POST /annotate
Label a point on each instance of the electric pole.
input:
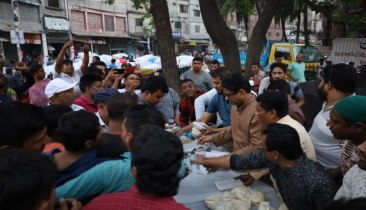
(14, 5)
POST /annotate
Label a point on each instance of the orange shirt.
(50, 146)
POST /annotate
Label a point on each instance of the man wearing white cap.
(61, 92)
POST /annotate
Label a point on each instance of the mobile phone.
(130, 69)
(142, 81)
(120, 71)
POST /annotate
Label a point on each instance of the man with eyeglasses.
(302, 183)
(337, 82)
(245, 127)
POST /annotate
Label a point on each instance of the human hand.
(20, 66)
(68, 44)
(205, 138)
(209, 130)
(111, 74)
(295, 79)
(86, 48)
(178, 132)
(70, 204)
(247, 179)
(137, 69)
(200, 160)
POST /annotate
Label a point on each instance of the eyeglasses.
(261, 148)
(228, 95)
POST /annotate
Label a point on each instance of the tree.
(160, 13)
(266, 11)
(221, 34)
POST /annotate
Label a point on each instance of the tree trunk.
(160, 13)
(246, 25)
(284, 36)
(258, 36)
(298, 26)
(306, 30)
(220, 34)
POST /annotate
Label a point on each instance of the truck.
(346, 50)
(310, 53)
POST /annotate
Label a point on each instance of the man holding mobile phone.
(64, 69)
(131, 83)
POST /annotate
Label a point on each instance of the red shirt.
(133, 200)
(186, 109)
(84, 102)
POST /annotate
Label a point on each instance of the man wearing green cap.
(348, 121)
(337, 82)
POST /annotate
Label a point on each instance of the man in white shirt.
(61, 92)
(64, 69)
(348, 121)
(337, 82)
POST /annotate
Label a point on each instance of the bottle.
(171, 123)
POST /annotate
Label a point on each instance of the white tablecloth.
(195, 188)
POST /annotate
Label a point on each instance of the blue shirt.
(107, 177)
(219, 104)
(296, 91)
(78, 167)
(112, 66)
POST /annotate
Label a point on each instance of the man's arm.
(301, 101)
(20, 89)
(299, 95)
(249, 161)
(60, 57)
(291, 77)
(207, 117)
(202, 101)
(86, 58)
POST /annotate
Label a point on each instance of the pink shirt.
(37, 95)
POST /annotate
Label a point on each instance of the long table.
(195, 188)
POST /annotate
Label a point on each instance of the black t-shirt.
(140, 48)
(111, 146)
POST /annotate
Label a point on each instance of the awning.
(201, 41)
(100, 34)
(140, 34)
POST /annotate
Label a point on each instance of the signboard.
(347, 50)
(32, 38)
(14, 38)
(177, 34)
(57, 24)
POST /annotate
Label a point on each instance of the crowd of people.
(95, 137)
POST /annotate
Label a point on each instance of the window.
(183, 8)
(178, 24)
(139, 22)
(197, 29)
(277, 34)
(269, 33)
(54, 3)
(196, 13)
(109, 23)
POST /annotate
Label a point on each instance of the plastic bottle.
(171, 123)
